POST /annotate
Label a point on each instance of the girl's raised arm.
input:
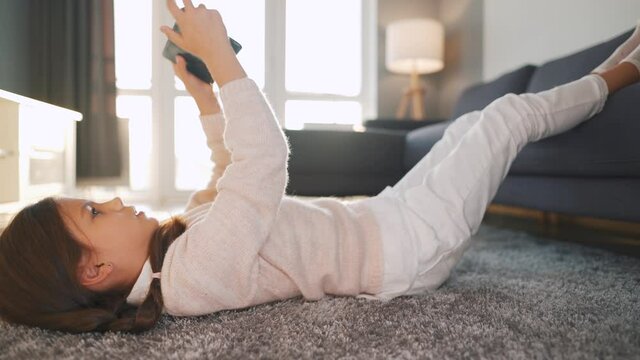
(213, 127)
(217, 262)
(212, 121)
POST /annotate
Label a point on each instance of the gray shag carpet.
(513, 295)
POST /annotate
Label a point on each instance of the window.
(323, 59)
(315, 61)
(133, 49)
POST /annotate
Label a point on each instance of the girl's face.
(117, 239)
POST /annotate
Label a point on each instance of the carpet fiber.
(513, 295)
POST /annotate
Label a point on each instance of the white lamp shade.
(415, 44)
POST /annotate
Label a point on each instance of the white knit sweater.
(246, 243)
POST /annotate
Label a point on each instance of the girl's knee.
(515, 113)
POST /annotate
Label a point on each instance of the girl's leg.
(439, 151)
(452, 196)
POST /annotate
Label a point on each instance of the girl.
(76, 265)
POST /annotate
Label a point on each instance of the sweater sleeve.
(215, 264)
(213, 127)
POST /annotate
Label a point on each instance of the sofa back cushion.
(604, 146)
(478, 96)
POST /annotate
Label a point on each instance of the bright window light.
(133, 44)
(193, 166)
(324, 47)
(138, 110)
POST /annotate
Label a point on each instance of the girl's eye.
(94, 212)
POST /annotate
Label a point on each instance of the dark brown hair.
(38, 277)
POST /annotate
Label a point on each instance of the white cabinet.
(37, 149)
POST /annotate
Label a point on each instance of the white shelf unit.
(37, 150)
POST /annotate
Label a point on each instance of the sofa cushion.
(607, 198)
(477, 97)
(604, 146)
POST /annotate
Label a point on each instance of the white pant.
(442, 200)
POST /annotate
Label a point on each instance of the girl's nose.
(116, 201)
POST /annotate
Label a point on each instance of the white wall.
(517, 32)
(462, 20)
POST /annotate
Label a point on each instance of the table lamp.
(414, 46)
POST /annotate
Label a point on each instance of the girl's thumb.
(180, 66)
(180, 61)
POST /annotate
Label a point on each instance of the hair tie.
(155, 275)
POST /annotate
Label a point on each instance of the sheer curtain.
(72, 62)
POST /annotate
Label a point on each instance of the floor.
(513, 295)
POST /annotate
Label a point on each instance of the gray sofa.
(591, 170)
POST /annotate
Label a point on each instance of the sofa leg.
(550, 219)
(551, 222)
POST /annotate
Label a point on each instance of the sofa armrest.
(326, 162)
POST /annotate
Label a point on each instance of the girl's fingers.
(188, 4)
(179, 66)
(181, 63)
(172, 35)
(174, 9)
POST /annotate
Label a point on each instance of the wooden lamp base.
(413, 97)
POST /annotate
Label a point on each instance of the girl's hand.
(201, 91)
(195, 86)
(202, 31)
(203, 34)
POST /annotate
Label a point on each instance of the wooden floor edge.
(551, 218)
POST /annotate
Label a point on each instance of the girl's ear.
(92, 275)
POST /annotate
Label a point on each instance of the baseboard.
(551, 218)
(616, 235)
